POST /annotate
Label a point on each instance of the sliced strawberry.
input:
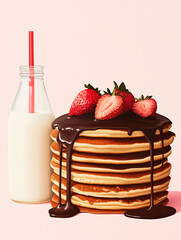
(145, 107)
(85, 101)
(108, 107)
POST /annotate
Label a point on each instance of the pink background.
(94, 41)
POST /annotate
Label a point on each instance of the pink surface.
(92, 41)
(175, 200)
(22, 221)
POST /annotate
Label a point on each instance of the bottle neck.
(26, 72)
(23, 100)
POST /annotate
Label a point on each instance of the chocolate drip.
(161, 134)
(153, 211)
(150, 136)
(70, 128)
(60, 171)
(68, 209)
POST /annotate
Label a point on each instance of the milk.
(29, 156)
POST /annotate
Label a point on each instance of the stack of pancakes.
(110, 169)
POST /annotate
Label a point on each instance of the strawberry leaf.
(108, 91)
(121, 88)
(89, 86)
(116, 86)
(142, 98)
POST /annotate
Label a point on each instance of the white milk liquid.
(29, 156)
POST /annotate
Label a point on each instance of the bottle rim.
(26, 68)
(36, 70)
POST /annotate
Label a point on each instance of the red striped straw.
(31, 64)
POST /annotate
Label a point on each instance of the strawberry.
(85, 101)
(128, 96)
(109, 106)
(145, 107)
(124, 92)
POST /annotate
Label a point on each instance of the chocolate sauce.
(68, 209)
(161, 134)
(69, 129)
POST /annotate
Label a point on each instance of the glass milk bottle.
(29, 141)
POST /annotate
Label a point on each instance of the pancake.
(114, 178)
(111, 161)
(126, 145)
(88, 210)
(115, 146)
(97, 211)
(111, 203)
(128, 158)
(121, 168)
(121, 191)
(109, 133)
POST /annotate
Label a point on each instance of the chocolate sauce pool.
(70, 128)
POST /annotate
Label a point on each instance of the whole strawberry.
(128, 96)
(109, 106)
(85, 101)
(145, 107)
